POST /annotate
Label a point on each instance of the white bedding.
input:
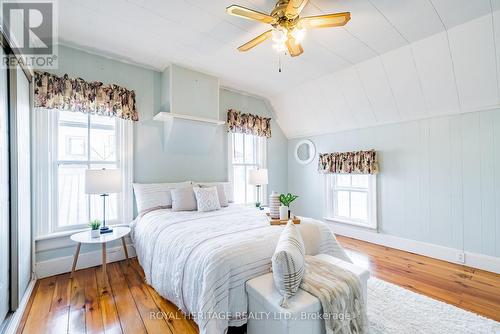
(200, 261)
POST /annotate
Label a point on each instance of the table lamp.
(257, 177)
(103, 182)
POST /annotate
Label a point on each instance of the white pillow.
(183, 199)
(221, 192)
(207, 198)
(228, 188)
(288, 262)
(150, 196)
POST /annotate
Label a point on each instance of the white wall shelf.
(166, 116)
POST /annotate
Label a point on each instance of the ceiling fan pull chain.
(280, 61)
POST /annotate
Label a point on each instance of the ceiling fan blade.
(294, 8)
(325, 21)
(294, 48)
(256, 41)
(249, 14)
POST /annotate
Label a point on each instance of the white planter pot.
(283, 212)
(95, 233)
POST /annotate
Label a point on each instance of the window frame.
(45, 168)
(260, 158)
(331, 188)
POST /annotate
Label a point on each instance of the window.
(68, 143)
(246, 152)
(351, 198)
(83, 141)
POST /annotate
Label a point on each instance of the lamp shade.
(103, 181)
(257, 177)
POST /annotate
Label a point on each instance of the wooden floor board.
(39, 316)
(77, 305)
(145, 303)
(130, 317)
(85, 304)
(469, 288)
(60, 306)
(107, 305)
(93, 317)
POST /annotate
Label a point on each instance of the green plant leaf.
(94, 224)
(287, 199)
(283, 199)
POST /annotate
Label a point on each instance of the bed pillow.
(183, 199)
(228, 189)
(207, 198)
(288, 262)
(150, 196)
(221, 192)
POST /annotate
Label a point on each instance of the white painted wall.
(439, 181)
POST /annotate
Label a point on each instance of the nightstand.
(119, 232)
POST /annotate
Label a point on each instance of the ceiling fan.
(288, 27)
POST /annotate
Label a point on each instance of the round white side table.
(119, 232)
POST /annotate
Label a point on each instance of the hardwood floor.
(472, 289)
(84, 305)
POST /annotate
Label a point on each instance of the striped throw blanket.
(339, 292)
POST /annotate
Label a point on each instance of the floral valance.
(248, 124)
(360, 162)
(76, 94)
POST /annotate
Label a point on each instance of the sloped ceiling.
(396, 60)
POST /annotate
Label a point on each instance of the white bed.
(201, 261)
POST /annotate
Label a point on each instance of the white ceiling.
(395, 60)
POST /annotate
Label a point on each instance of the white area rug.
(394, 310)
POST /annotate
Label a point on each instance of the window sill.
(349, 222)
(67, 233)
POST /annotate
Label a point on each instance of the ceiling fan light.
(279, 35)
(299, 34)
(279, 47)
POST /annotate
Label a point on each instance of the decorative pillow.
(221, 192)
(228, 189)
(288, 262)
(150, 196)
(183, 199)
(207, 199)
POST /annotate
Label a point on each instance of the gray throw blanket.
(339, 292)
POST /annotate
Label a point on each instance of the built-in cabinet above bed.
(189, 95)
(189, 110)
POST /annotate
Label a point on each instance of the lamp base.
(106, 229)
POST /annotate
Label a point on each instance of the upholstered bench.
(303, 312)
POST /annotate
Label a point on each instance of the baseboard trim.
(15, 318)
(475, 260)
(63, 265)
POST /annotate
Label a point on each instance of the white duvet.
(200, 261)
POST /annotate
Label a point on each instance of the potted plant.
(286, 200)
(94, 228)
